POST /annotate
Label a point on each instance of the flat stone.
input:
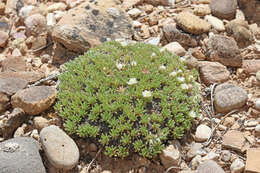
(10, 86)
(252, 160)
(175, 48)
(237, 166)
(12, 122)
(21, 155)
(224, 9)
(61, 151)
(215, 22)
(234, 139)
(210, 166)
(213, 72)
(29, 76)
(170, 156)
(88, 25)
(239, 30)
(14, 64)
(229, 97)
(251, 66)
(34, 100)
(191, 23)
(203, 133)
(224, 49)
(172, 34)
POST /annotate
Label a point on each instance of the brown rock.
(2, 8)
(191, 23)
(10, 86)
(3, 38)
(239, 29)
(170, 156)
(29, 76)
(158, 2)
(251, 9)
(224, 49)
(34, 100)
(88, 25)
(40, 123)
(4, 100)
(213, 72)
(14, 120)
(252, 161)
(202, 10)
(172, 34)
(224, 9)
(35, 24)
(251, 66)
(14, 64)
(234, 139)
(197, 53)
(229, 97)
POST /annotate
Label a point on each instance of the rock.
(201, 10)
(34, 100)
(215, 22)
(56, 7)
(195, 162)
(257, 75)
(21, 155)
(35, 24)
(229, 121)
(4, 102)
(251, 9)
(29, 76)
(2, 8)
(197, 53)
(130, 3)
(26, 11)
(191, 23)
(257, 104)
(229, 97)
(51, 20)
(195, 149)
(252, 162)
(257, 131)
(134, 13)
(175, 48)
(224, 9)
(39, 41)
(203, 133)
(233, 139)
(170, 156)
(160, 2)
(40, 122)
(225, 155)
(3, 38)
(251, 66)
(211, 156)
(224, 49)
(12, 122)
(60, 149)
(213, 72)
(20, 132)
(237, 166)
(13, 6)
(255, 30)
(14, 64)
(172, 34)
(239, 29)
(10, 86)
(88, 25)
(210, 166)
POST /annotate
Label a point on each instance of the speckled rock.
(90, 24)
(224, 49)
(61, 151)
(34, 100)
(21, 155)
(191, 23)
(224, 9)
(229, 97)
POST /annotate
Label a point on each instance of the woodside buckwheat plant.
(130, 98)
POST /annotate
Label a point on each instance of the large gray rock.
(229, 97)
(210, 166)
(224, 49)
(34, 100)
(224, 9)
(61, 151)
(90, 24)
(12, 122)
(10, 86)
(20, 155)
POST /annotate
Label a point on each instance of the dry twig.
(92, 161)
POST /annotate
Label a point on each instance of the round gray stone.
(20, 155)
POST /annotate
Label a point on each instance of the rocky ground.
(221, 38)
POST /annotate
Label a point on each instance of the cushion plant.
(131, 98)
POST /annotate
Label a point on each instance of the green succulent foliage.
(97, 99)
